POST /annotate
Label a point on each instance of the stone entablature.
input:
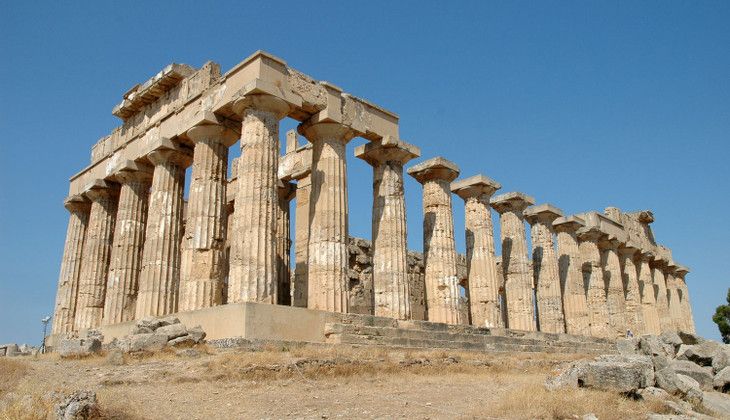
(134, 247)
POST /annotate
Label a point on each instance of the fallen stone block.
(671, 338)
(689, 389)
(722, 380)
(9, 350)
(688, 338)
(717, 403)
(701, 354)
(620, 373)
(721, 358)
(172, 331)
(627, 346)
(81, 405)
(666, 379)
(652, 345)
(197, 333)
(184, 341)
(653, 392)
(144, 342)
(701, 374)
(78, 347)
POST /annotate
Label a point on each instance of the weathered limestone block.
(570, 264)
(688, 324)
(159, 279)
(68, 280)
(328, 228)
(515, 264)
(658, 265)
(202, 271)
(648, 297)
(126, 254)
(546, 274)
(96, 253)
(675, 309)
(439, 248)
(634, 314)
(615, 298)
(593, 278)
(484, 302)
(390, 247)
(252, 273)
(285, 192)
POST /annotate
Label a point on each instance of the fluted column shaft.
(648, 296)
(593, 277)
(283, 243)
(328, 236)
(615, 298)
(300, 294)
(662, 304)
(482, 263)
(95, 262)
(675, 311)
(68, 279)
(575, 306)
(159, 280)
(202, 274)
(634, 312)
(546, 275)
(688, 323)
(391, 288)
(126, 255)
(252, 275)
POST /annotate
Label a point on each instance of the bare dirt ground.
(309, 382)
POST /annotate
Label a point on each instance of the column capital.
(316, 131)
(511, 201)
(100, 189)
(131, 171)
(434, 168)
(659, 263)
(542, 213)
(387, 149)
(645, 255)
(569, 224)
(609, 242)
(76, 203)
(475, 186)
(590, 234)
(261, 102)
(628, 249)
(681, 271)
(216, 132)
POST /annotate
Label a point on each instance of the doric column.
(515, 263)
(481, 263)
(675, 311)
(688, 324)
(593, 278)
(126, 255)
(202, 274)
(648, 293)
(68, 280)
(615, 297)
(658, 265)
(159, 279)
(328, 229)
(390, 248)
(252, 273)
(96, 253)
(439, 248)
(629, 274)
(300, 294)
(570, 264)
(546, 275)
(285, 192)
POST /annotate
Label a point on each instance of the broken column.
(615, 299)
(658, 265)
(515, 263)
(648, 293)
(593, 278)
(481, 263)
(159, 279)
(96, 253)
(439, 248)
(545, 267)
(126, 254)
(390, 247)
(328, 229)
(285, 191)
(252, 273)
(202, 274)
(68, 281)
(575, 308)
(688, 324)
(629, 273)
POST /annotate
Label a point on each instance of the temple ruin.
(135, 248)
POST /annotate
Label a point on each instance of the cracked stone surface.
(575, 307)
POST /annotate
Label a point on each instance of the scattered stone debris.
(14, 350)
(679, 364)
(80, 405)
(81, 346)
(154, 334)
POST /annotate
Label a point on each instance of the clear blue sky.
(580, 104)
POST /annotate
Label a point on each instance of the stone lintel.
(264, 87)
(388, 149)
(475, 186)
(568, 223)
(546, 213)
(629, 248)
(511, 201)
(76, 202)
(296, 164)
(259, 54)
(590, 233)
(606, 224)
(434, 168)
(609, 241)
(148, 92)
(129, 167)
(681, 270)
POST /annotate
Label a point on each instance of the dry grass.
(11, 372)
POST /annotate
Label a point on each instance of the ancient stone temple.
(224, 253)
